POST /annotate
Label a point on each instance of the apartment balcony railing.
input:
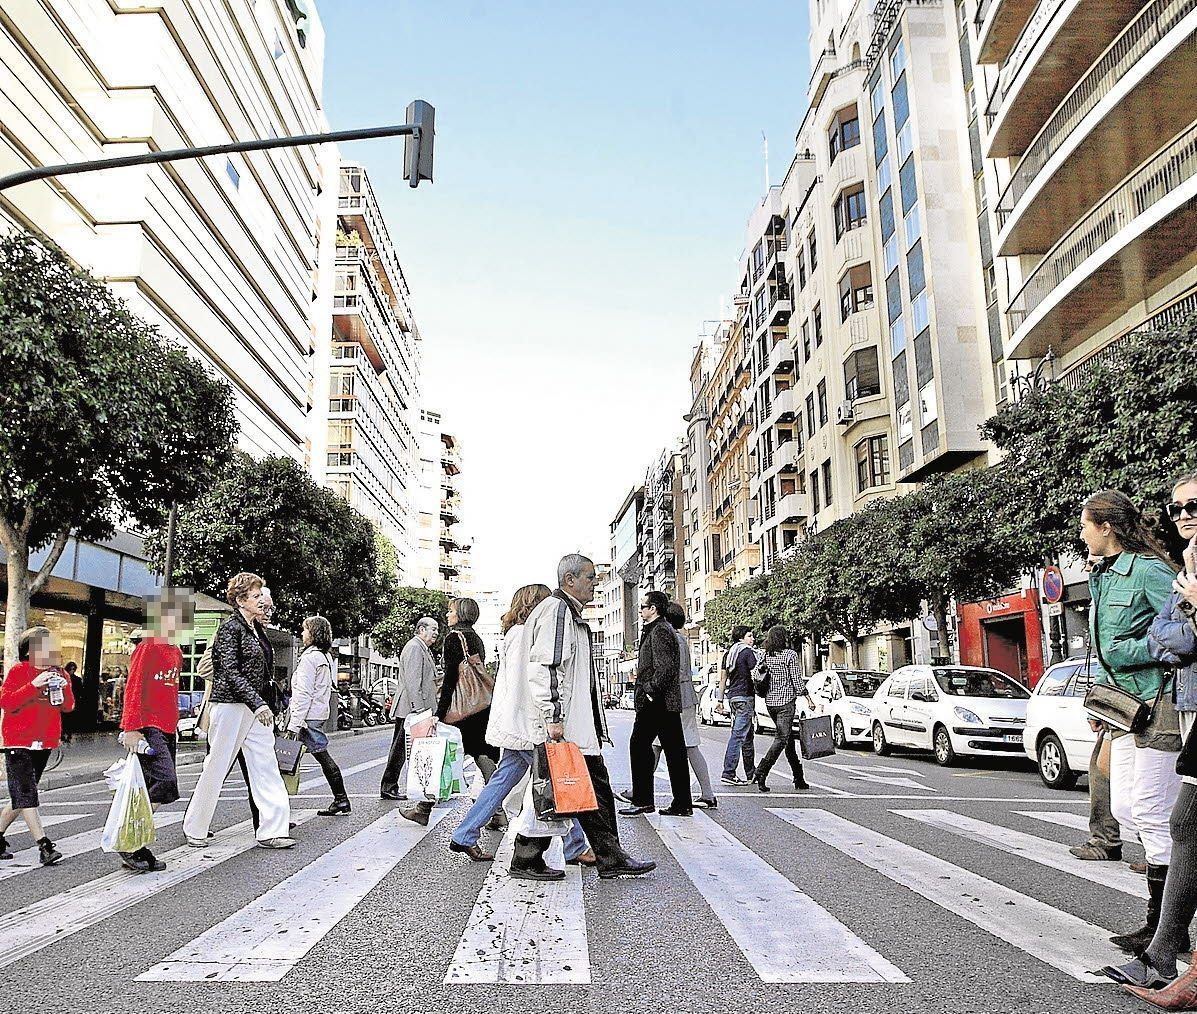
(1163, 174)
(982, 12)
(885, 16)
(1031, 33)
(780, 304)
(792, 507)
(1155, 21)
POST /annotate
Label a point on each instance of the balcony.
(821, 76)
(792, 508)
(1130, 244)
(785, 406)
(449, 566)
(1138, 92)
(450, 460)
(789, 457)
(780, 306)
(1060, 41)
(999, 23)
(781, 357)
(360, 212)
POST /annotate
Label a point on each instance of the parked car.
(610, 700)
(1058, 738)
(846, 695)
(708, 697)
(763, 723)
(628, 700)
(951, 710)
(189, 706)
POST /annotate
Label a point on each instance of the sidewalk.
(92, 752)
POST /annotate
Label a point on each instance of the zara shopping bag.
(814, 736)
(130, 823)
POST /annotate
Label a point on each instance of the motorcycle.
(371, 711)
(344, 712)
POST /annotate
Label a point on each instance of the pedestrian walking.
(784, 674)
(1172, 640)
(658, 702)
(564, 702)
(516, 725)
(1105, 836)
(74, 722)
(311, 694)
(461, 643)
(1129, 587)
(33, 697)
(241, 721)
(416, 692)
(151, 712)
(735, 688)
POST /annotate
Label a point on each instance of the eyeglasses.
(1189, 507)
(645, 605)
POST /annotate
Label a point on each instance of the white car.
(628, 701)
(763, 723)
(1058, 738)
(707, 714)
(953, 711)
(846, 695)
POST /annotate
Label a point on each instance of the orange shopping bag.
(573, 792)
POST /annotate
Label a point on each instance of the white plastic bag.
(424, 769)
(452, 736)
(130, 824)
(531, 826)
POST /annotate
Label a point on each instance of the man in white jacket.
(557, 698)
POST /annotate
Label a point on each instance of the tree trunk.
(16, 616)
(941, 623)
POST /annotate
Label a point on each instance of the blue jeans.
(740, 741)
(513, 765)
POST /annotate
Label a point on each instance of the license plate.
(1014, 738)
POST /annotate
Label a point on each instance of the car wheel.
(880, 746)
(945, 755)
(837, 735)
(1053, 764)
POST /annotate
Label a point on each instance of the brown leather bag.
(475, 686)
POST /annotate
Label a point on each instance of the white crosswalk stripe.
(1037, 850)
(1076, 821)
(263, 941)
(75, 845)
(525, 932)
(785, 935)
(1057, 938)
(27, 930)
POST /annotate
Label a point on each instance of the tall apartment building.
(620, 602)
(660, 523)
(364, 442)
(220, 254)
(442, 551)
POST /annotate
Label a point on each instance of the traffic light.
(417, 148)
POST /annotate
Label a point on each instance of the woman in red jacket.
(33, 696)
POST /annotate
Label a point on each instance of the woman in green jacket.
(1129, 585)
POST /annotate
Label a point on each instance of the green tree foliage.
(317, 553)
(411, 605)
(752, 603)
(101, 418)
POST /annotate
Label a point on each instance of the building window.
(914, 229)
(814, 253)
(801, 269)
(758, 261)
(278, 45)
(814, 491)
(827, 483)
(822, 389)
(905, 426)
(901, 103)
(817, 324)
(872, 463)
(805, 342)
(844, 132)
(810, 415)
(862, 375)
(897, 336)
(856, 291)
(916, 276)
(230, 171)
(897, 57)
(877, 97)
(918, 312)
(851, 211)
(928, 408)
(885, 176)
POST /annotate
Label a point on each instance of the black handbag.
(544, 802)
(1108, 702)
(814, 736)
(288, 752)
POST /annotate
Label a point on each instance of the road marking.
(869, 768)
(27, 930)
(1038, 850)
(785, 935)
(1076, 821)
(887, 796)
(525, 931)
(1053, 937)
(263, 941)
(75, 845)
(49, 820)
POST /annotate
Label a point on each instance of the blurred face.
(582, 585)
(1184, 500)
(42, 652)
(251, 605)
(1099, 538)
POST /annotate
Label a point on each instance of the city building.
(660, 523)
(217, 253)
(491, 607)
(621, 612)
(442, 551)
(595, 615)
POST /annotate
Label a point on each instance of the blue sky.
(595, 168)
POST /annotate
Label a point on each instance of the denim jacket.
(1127, 597)
(1172, 640)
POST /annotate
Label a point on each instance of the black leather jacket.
(241, 666)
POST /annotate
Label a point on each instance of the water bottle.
(54, 690)
(143, 746)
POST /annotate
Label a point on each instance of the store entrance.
(1005, 643)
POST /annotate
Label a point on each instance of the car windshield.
(979, 683)
(862, 684)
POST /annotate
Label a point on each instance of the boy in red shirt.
(33, 696)
(151, 709)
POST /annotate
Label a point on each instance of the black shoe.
(390, 795)
(133, 861)
(544, 873)
(153, 863)
(5, 851)
(498, 822)
(626, 796)
(673, 811)
(800, 783)
(733, 780)
(338, 806)
(760, 785)
(707, 804)
(635, 811)
(1134, 943)
(475, 852)
(627, 867)
(47, 854)
(1139, 972)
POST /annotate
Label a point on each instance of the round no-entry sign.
(1053, 584)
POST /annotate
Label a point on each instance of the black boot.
(527, 860)
(5, 852)
(336, 782)
(1137, 941)
(47, 854)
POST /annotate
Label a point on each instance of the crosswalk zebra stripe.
(263, 941)
(1076, 821)
(1038, 850)
(27, 930)
(76, 845)
(1056, 938)
(48, 820)
(785, 935)
(525, 932)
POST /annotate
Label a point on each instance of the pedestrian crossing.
(787, 923)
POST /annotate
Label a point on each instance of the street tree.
(102, 420)
(753, 604)
(317, 553)
(410, 606)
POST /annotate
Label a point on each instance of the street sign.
(1053, 585)
(1055, 609)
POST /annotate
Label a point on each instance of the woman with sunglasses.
(1173, 641)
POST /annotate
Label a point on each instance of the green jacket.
(1127, 597)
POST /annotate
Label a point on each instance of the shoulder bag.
(475, 686)
(760, 677)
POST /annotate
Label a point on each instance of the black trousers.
(395, 759)
(656, 722)
(599, 826)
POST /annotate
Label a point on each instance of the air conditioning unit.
(844, 413)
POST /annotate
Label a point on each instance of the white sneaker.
(276, 843)
(198, 843)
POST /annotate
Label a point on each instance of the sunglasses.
(1175, 510)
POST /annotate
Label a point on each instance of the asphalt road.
(893, 885)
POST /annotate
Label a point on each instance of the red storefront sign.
(1004, 634)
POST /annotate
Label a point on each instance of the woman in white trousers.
(241, 722)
